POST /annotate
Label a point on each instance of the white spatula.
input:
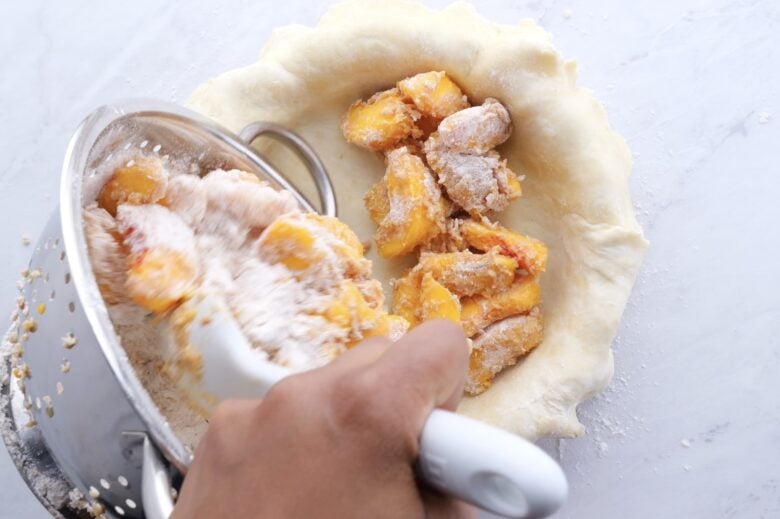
(483, 465)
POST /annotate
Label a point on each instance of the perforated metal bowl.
(88, 427)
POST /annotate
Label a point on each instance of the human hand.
(339, 441)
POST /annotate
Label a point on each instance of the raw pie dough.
(576, 197)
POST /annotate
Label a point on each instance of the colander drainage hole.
(62, 256)
(53, 295)
(105, 484)
(67, 278)
(56, 242)
(130, 503)
(71, 307)
(123, 481)
(119, 510)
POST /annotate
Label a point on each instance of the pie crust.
(575, 195)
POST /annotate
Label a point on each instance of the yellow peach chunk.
(466, 273)
(352, 312)
(377, 201)
(531, 254)
(513, 189)
(500, 346)
(142, 180)
(477, 312)
(380, 123)
(160, 279)
(416, 210)
(291, 244)
(436, 302)
(406, 297)
(388, 325)
(434, 94)
(347, 241)
(350, 308)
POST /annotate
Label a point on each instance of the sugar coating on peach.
(160, 279)
(530, 253)
(480, 311)
(309, 244)
(406, 297)
(476, 130)
(377, 201)
(467, 273)
(499, 346)
(434, 94)
(162, 256)
(142, 180)
(382, 122)
(352, 311)
(461, 154)
(416, 210)
(436, 302)
(242, 197)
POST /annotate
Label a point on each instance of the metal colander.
(75, 414)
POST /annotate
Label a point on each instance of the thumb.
(427, 367)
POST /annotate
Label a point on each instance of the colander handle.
(313, 163)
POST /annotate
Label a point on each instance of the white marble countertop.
(691, 424)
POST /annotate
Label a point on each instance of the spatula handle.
(489, 467)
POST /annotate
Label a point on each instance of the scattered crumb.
(41, 309)
(29, 325)
(60, 388)
(26, 240)
(75, 499)
(94, 493)
(687, 468)
(69, 341)
(65, 366)
(96, 510)
(685, 442)
(31, 424)
(22, 371)
(764, 117)
(603, 448)
(568, 13)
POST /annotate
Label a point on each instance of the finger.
(355, 359)
(427, 368)
(365, 352)
(358, 357)
(222, 423)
